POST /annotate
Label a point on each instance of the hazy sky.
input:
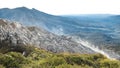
(58, 7)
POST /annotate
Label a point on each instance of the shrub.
(74, 59)
(1, 66)
(71, 66)
(38, 54)
(39, 58)
(95, 57)
(12, 60)
(54, 61)
(106, 63)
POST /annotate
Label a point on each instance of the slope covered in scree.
(16, 34)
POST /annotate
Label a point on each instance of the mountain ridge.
(16, 34)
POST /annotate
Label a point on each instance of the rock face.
(16, 34)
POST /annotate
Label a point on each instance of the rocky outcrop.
(16, 34)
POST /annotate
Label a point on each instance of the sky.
(64, 7)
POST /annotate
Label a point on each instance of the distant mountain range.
(63, 24)
(35, 17)
(102, 31)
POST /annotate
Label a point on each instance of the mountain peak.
(21, 8)
(27, 16)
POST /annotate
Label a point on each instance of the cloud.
(67, 6)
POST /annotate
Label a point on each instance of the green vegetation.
(38, 58)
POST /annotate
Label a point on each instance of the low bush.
(1, 66)
(39, 58)
(106, 63)
(13, 60)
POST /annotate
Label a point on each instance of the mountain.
(15, 34)
(61, 24)
(101, 31)
(36, 18)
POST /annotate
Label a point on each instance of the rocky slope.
(16, 34)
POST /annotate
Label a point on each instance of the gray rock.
(16, 34)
